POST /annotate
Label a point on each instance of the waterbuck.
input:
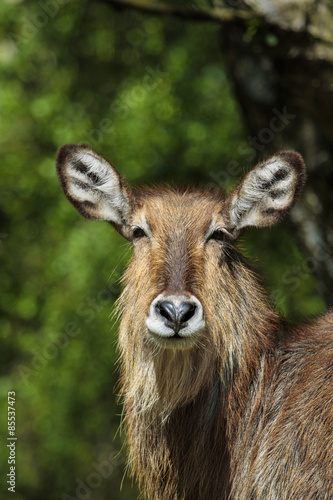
(223, 398)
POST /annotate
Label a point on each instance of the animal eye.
(217, 235)
(138, 233)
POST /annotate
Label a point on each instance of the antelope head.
(186, 286)
(176, 232)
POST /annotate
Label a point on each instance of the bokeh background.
(152, 95)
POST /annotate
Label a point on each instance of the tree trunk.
(282, 72)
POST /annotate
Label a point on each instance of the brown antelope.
(223, 398)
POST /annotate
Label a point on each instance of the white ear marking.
(267, 192)
(92, 179)
(92, 184)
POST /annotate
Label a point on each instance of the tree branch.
(218, 15)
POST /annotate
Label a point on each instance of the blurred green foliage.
(152, 95)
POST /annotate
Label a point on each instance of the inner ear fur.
(93, 185)
(266, 193)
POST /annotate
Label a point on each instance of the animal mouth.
(175, 341)
(177, 336)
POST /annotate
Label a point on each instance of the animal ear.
(93, 186)
(267, 192)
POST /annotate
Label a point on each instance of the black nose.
(176, 315)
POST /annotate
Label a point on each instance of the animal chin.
(174, 342)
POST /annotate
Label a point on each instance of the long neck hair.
(174, 396)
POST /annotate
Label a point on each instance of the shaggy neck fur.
(181, 407)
